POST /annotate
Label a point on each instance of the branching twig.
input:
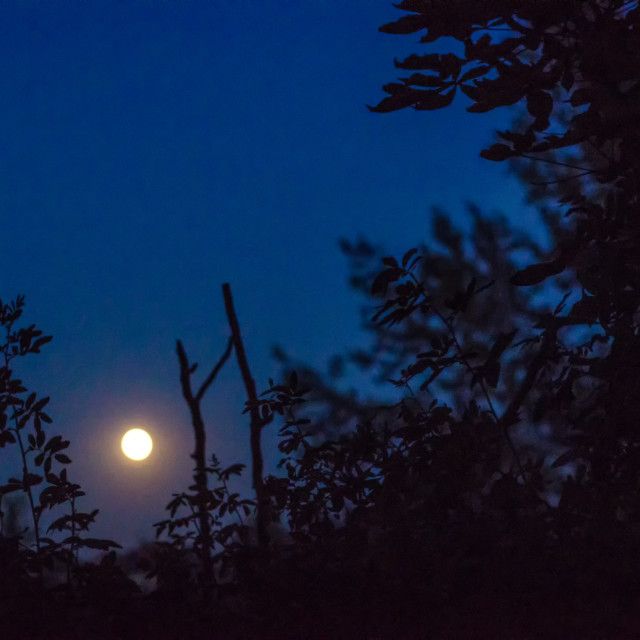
(199, 454)
(485, 392)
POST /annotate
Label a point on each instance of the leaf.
(396, 102)
(6, 437)
(234, 469)
(423, 80)
(405, 25)
(92, 543)
(475, 72)
(390, 261)
(10, 487)
(384, 279)
(450, 65)
(428, 61)
(60, 524)
(490, 370)
(581, 96)
(565, 458)
(540, 105)
(430, 100)
(394, 87)
(491, 373)
(584, 311)
(35, 347)
(53, 442)
(407, 256)
(41, 404)
(536, 273)
(31, 479)
(502, 342)
(62, 458)
(497, 152)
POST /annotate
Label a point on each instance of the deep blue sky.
(154, 149)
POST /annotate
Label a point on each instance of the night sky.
(153, 150)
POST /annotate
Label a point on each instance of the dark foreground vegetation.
(499, 495)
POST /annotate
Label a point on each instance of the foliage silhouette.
(39, 571)
(495, 495)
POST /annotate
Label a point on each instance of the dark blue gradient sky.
(154, 149)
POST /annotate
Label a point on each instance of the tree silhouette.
(39, 571)
(565, 363)
(494, 492)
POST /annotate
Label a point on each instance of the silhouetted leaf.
(406, 24)
(497, 152)
(536, 273)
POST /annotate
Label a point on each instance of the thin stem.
(74, 548)
(546, 183)
(23, 454)
(195, 514)
(25, 471)
(558, 163)
(227, 492)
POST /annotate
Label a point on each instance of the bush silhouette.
(496, 496)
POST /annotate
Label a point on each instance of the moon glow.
(136, 444)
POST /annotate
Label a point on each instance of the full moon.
(136, 444)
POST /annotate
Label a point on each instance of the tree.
(36, 562)
(433, 472)
(575, 65)
(434, 514)
(439, 513)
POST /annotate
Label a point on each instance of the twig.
(557, 163)
(546, 183)
(485, 392)
(214, 372)
(257, 464)
(511, 412)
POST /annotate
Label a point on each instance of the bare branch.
(257, 423)
(214, 372)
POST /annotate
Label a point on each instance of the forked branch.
(199, 454)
